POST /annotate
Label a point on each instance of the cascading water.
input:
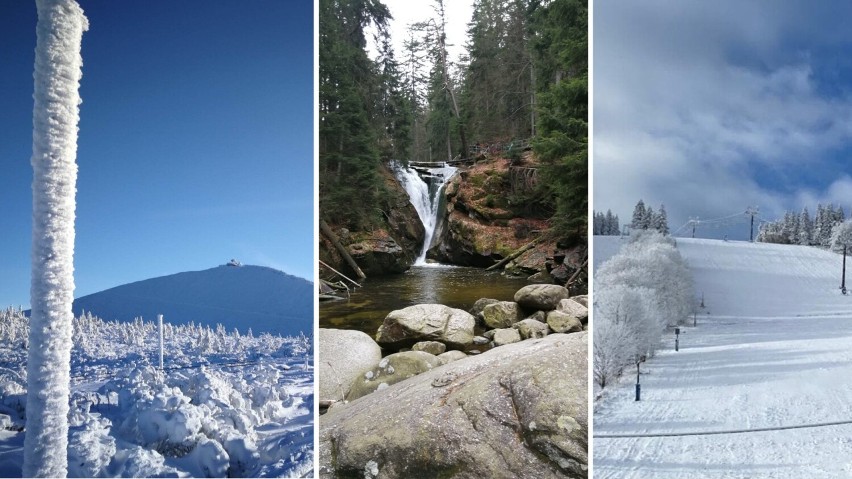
(424, 187)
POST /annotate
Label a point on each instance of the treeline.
(605, 224)
(799, 228)
(639, 292)
(647, 219)
(525, 76)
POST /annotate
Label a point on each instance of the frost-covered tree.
(661, 221)
(638, 221)
(598, 224)
(612, 223)
(639, 292)
(58, 69)
(841, 235)
(648, 219)
(806, 227)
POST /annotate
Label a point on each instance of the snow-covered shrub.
(90, 447)
(841, 235)
(639, 292)
(205, 414)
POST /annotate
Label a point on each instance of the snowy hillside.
(226, 404)
(772, 351)
(264, 299)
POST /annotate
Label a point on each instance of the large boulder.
(543, 297)
(343, 356)
(502, 314)
(391, 370)
(381, 255)
(520, 410)
(426, 322)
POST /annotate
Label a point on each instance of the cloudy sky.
(709, 107)
(406, 12)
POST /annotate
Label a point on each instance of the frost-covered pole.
(160, 320)
(56, 112)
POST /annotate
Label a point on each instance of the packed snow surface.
(772, 348)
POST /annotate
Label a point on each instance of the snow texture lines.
(759, 388)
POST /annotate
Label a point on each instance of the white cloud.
(705, 108)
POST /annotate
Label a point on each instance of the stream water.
(457, 287)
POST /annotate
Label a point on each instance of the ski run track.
(771, 354)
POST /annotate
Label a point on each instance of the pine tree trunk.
(56, 113)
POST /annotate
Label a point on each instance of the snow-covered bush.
(841, 235)
(639, 292)
(211, 414)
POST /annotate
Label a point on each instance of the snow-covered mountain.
(256, 297)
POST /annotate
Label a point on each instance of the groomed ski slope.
(773, 348)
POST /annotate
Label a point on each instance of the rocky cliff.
(390, 248)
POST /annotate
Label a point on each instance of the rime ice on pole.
(56, 113)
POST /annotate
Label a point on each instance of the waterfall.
(424, 187)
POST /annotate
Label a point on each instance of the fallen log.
(340, 274)
(514, 255)
(326, 230)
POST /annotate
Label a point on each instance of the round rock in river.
(543, 297)
(426, 322)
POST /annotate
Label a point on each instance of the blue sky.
(195, 143)
(710, 107)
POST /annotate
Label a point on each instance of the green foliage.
(561, 143)
(364, 116)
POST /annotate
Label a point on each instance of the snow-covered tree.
(661, 221)
(612, 223)
(638, 222)
(840, 236)
(598, 224)
(648, 219)
(58, 69)
(639, 292)
(806, 227)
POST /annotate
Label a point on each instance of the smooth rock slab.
(543, 297)
(426, 322)
(517, 411)
(343, 356)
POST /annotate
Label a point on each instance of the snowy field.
(226, 405)
(772, 349)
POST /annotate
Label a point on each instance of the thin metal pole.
(160, 320)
